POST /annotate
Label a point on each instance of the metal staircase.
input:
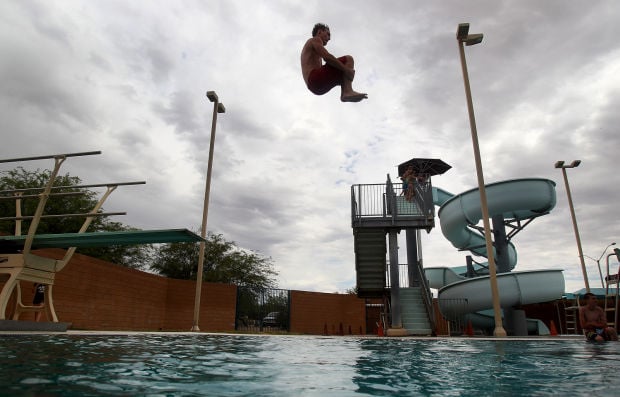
(414, 311)
(378, 210)
(370, 262)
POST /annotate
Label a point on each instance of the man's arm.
(583, 320)
(331, 60)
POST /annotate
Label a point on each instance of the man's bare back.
(310, 59)
(321, 78)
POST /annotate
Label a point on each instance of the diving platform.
(386, 206)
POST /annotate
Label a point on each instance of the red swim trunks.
(323, 79)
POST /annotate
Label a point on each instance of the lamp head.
(462, 31)
(221, 108)
(212, 96)
(463, 36)
(472, 39)
(562, 164)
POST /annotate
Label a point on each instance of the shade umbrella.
(425, 167)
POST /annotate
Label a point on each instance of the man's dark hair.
(588, 295)
(317, 27)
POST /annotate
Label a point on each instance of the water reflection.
(181, 365)
(470, 367)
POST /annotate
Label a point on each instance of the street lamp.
(563, 166)
(598, 262)
(464, 38)
(217, 108)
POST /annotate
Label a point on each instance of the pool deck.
(189, 333)
(37, 326)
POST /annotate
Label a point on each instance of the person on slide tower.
(319, 77)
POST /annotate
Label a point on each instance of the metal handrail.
(50, 156)
(88, 214)
(35, 189)
(369, 200)
(25, 196)
(391, 198)
(379, 200)
(426, 297)
(353, 205)
(612, 279)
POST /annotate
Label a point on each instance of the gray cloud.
(130, 79)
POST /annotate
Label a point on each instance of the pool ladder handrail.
(612, 279)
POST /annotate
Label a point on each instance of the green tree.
(132, 256)
(19, 179)
(82, 201)
(351, 291)
(224, 262)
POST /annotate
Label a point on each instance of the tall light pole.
(464, 38)
(217, 108)
(563, 166)
(598, 262)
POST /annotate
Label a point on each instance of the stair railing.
(390, 198)
(427, 297)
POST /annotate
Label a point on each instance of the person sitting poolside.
(594, 322)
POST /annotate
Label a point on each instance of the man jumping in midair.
(319, 77)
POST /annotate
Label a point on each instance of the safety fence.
(403, 276)
(369, 201)
(263, 310)
(456, 316)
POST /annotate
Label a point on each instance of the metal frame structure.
(19, 263)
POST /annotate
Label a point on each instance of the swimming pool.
(240, 365)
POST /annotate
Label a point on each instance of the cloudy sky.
(129, 79)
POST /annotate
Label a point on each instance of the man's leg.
(347, 94)
(323, 79)
(346, 88)
(611, 333)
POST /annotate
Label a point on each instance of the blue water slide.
(516, 199)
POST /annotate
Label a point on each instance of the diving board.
(100, 239)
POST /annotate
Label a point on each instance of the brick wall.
(96, 295)
(316, 312)
(217, 301)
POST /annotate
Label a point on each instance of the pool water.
(238, 365)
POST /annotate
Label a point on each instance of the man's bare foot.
(353, 97)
